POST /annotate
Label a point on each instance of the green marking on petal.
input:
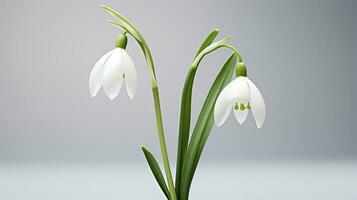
(248, 106)
(123, 76)
(236, 106)
(242, 106)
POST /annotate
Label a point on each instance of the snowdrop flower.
(112, 69)
(241, 95)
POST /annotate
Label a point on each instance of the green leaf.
(114, 23)
(155, 169)
(185, 113)
(204, 126)
(130, 28)
(209, 49)
(207, 41)
(124, 23)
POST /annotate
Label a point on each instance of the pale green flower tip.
(241, 69)
(121, 41)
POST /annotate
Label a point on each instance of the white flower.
(240, 95)
(110, 71)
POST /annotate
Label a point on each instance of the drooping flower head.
(111, 70)
(242, 96)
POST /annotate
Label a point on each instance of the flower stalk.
(128, 27)
(163, 147)
(241, 95)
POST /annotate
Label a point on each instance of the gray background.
(301, 54)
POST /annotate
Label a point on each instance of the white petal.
(222, 108)
(131, 78)
(95, 75)
(238, 90)
(241, 115)
(112, 74)
(257, 104)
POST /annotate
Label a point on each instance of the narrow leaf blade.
(155, 169)
(185, 113)
(125, 23)
(204, 126)
(208, 49)
(208, 40)
(114, 23)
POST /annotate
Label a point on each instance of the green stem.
(129, 27)
(163, 142)
(159, 124)
(211, 48)
(240, 59)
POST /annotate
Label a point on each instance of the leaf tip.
(105, 8)
(112, 22)
(216, 30)
(227, 37)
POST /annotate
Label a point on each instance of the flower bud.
(121, 41)
(241, 69)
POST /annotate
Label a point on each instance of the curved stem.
(159, 123)
(183, 186)
(129, 27)
(240, 59)
(220, 44)
(163, 148)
